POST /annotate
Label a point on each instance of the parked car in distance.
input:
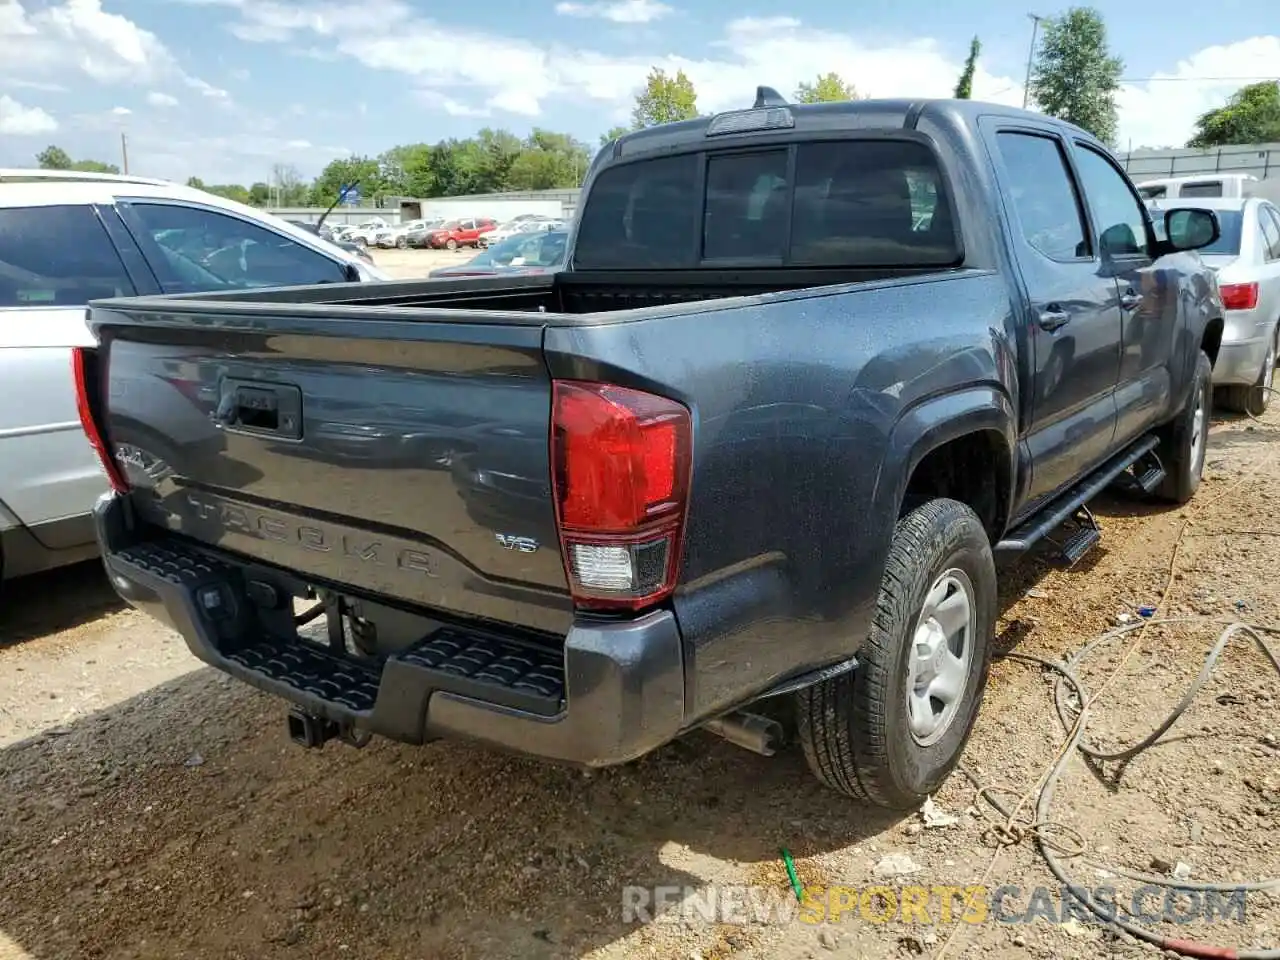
(459, 233)
(363, 233)
(511, 228)
(523, 253)
(417, 236)
(763, 437)
(1198, 186)
(324, 233)
(396, 236)
(66, 238)
(1246, 258)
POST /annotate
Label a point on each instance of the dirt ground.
(153, 809)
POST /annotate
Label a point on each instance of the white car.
(1246, 258)
(67, 238)
(363, 233)
(531, 224)
(395, 236)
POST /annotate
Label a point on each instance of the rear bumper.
(1240, 361)
(614, 693)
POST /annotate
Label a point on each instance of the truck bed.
(561, 298)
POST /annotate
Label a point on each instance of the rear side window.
(852, 203)
(57, 257)
(1205, 188)
(1270, 232)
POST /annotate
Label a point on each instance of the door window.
(57, 257)
(202, 250)
(1044, 198)
(1270, 220)
(1117, 214)
(1202, 188)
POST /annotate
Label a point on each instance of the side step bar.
(1067, 504)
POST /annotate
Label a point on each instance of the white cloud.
(619, 11)
(47, 43)
(121, 111)
(157, 99)
(206, 89)
(1162, 113)
(19, 121)
(439, 101)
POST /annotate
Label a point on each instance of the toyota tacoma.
(808, 373)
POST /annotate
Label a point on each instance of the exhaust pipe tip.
(751, 731)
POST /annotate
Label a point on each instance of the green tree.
(94, 166)
(549, 160)
(260, 194)
(964, 86)
(1076, 76)
(613, 134)
(345, 170)
(53, 158)
(232, 191)
(828, 88)
(1251, 115)
(195, 183)
(665, 99)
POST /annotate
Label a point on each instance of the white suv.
(67, 238)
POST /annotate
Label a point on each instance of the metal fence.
(1262, 160)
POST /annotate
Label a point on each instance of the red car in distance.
(460, 233)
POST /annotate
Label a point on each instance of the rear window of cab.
(836, 203)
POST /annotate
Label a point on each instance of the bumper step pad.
(523, 676)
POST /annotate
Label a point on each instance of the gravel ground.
(417, 263)
(153, 809)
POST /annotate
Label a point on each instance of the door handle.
(1051, 319)
(1130, 300)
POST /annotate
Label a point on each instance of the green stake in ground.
(791, 874)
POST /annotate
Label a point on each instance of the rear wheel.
(1182, 446)
(1255, 399)
(402, 243)
(891, 731)
(451, 244)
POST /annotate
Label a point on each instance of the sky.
(227, 89)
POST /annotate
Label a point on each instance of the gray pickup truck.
(809, 371)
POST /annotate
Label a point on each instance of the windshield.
(451, 225)
(545, 249)
(850, 203)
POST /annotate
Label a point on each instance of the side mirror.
(351, 273)
(1191, 228)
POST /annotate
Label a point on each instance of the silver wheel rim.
(941, 657)
(1197, 429)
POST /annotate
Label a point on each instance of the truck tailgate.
(404, 458)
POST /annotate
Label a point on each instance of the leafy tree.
(53, 158)
(94, 166)
(549, 160)
(195, 183)
(260, 194)
(290, 190)
(828, 88)
(232, 191)
(964, 86)
(665, 99)
(1076, 76)
(613, 134)
(1251, 115)
(341, 172)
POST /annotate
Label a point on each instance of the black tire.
(402, 243)
(451, 244)
(1183, 442)
(856, 729)
(1254, 399)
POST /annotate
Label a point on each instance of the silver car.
(1247, 260)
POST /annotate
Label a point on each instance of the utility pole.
(124, 152)
(1031, 53)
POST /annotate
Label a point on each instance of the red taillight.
(81, 357)
(1239, 296)
(620, 463)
